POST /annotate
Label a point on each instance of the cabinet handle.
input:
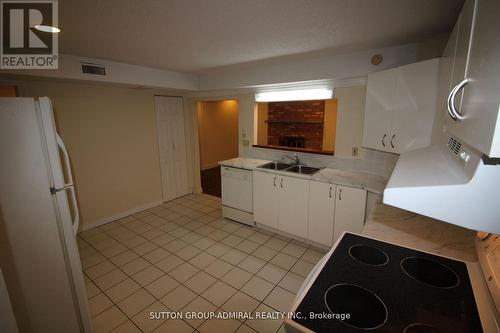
(383, 138)
(281, 183)
(340, 194)
(392, 139)
(451, 100)
(274, 181)
(330, 193)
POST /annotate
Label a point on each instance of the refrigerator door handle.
(69, 186)
(67, 165)
(74, 206)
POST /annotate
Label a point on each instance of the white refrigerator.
(38, 221)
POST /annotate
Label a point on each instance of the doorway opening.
(218, 140)
(8, 90)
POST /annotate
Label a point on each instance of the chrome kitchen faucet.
(293, 157)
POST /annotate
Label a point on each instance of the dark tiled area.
(211, 182)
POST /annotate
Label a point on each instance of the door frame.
(162, 176)
(192, 134)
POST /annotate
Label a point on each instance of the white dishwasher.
(237, 194)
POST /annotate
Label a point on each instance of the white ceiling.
(196, 35)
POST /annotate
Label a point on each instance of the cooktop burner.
(421, 328)
(368, 255)
(387, 288)
(366, 310)
(430, 272)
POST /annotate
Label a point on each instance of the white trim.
(115, 217)
(215, 95)
(116, 73)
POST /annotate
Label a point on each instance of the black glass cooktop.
(370, 285)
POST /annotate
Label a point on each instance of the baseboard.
(118, 216)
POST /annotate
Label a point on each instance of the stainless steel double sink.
(289, 167)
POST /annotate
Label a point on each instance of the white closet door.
(172, 146)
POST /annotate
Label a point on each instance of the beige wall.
(329, 125)
(111, 137)
(350, 117)
(218, 131)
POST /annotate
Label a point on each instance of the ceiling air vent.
(454, 145)
(93, 69)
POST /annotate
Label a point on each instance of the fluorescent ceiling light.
(293, 95)
(47, 28)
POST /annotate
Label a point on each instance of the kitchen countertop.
(394, 225)
(370, 182)
(243, 163)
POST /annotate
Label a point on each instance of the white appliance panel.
(237, 189)
(42, 239)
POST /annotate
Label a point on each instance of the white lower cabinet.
(334, 209)
(313, 210)
(321, 212)
(265, 199)
(281, 202)
(350, 205)
(293, 198)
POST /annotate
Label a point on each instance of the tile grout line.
(184, 214)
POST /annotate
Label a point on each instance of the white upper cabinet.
(472, 98)
(400, 107)
(350, 205)
(380, 105)
(321, 213)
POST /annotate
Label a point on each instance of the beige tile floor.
(183, 256)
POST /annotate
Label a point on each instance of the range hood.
(449, 182)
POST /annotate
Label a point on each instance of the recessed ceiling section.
(195, 35)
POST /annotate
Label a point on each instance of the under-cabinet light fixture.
(294, 95)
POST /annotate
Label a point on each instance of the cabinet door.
(380, 105)
(464, 27)
(415, 104)
(444, 83)
(265, 199)
(321, 212)
(480, 103)
(294, 205)
(350, 204)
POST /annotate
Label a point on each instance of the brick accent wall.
(296, 119)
